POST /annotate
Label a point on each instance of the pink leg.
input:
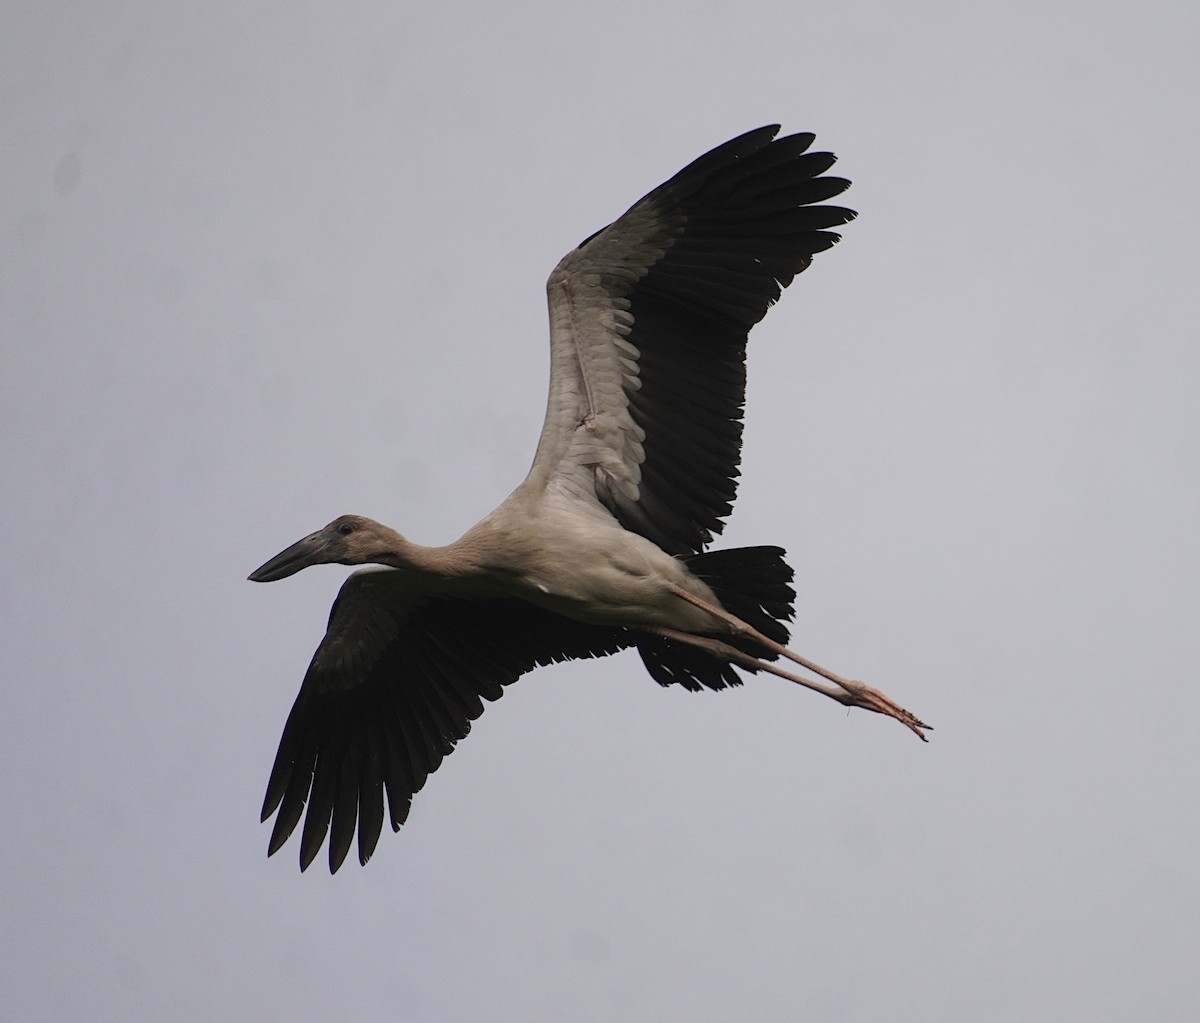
(849, 692)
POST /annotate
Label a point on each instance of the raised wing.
(649, 319)
(395, 683)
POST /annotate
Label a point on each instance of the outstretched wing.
(395, 683)
(649, 319)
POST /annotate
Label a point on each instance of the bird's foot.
(859, 695)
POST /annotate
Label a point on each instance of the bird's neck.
(452, 562)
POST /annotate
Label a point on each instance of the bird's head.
(347, 540)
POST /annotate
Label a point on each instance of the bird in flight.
(602, 547)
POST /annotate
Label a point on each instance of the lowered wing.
(395, 683)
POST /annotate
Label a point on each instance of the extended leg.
(849, 692)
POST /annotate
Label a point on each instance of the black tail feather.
(752, 583)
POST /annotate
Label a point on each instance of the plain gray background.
(265, 264)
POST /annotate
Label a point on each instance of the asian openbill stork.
(602, 546)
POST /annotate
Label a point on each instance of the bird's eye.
(346, 528)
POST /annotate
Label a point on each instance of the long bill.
(309, 551)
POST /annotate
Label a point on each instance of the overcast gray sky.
(264, 264)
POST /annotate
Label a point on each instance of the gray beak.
(301, 554)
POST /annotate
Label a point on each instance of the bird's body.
(602, 546)
(578, 562)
